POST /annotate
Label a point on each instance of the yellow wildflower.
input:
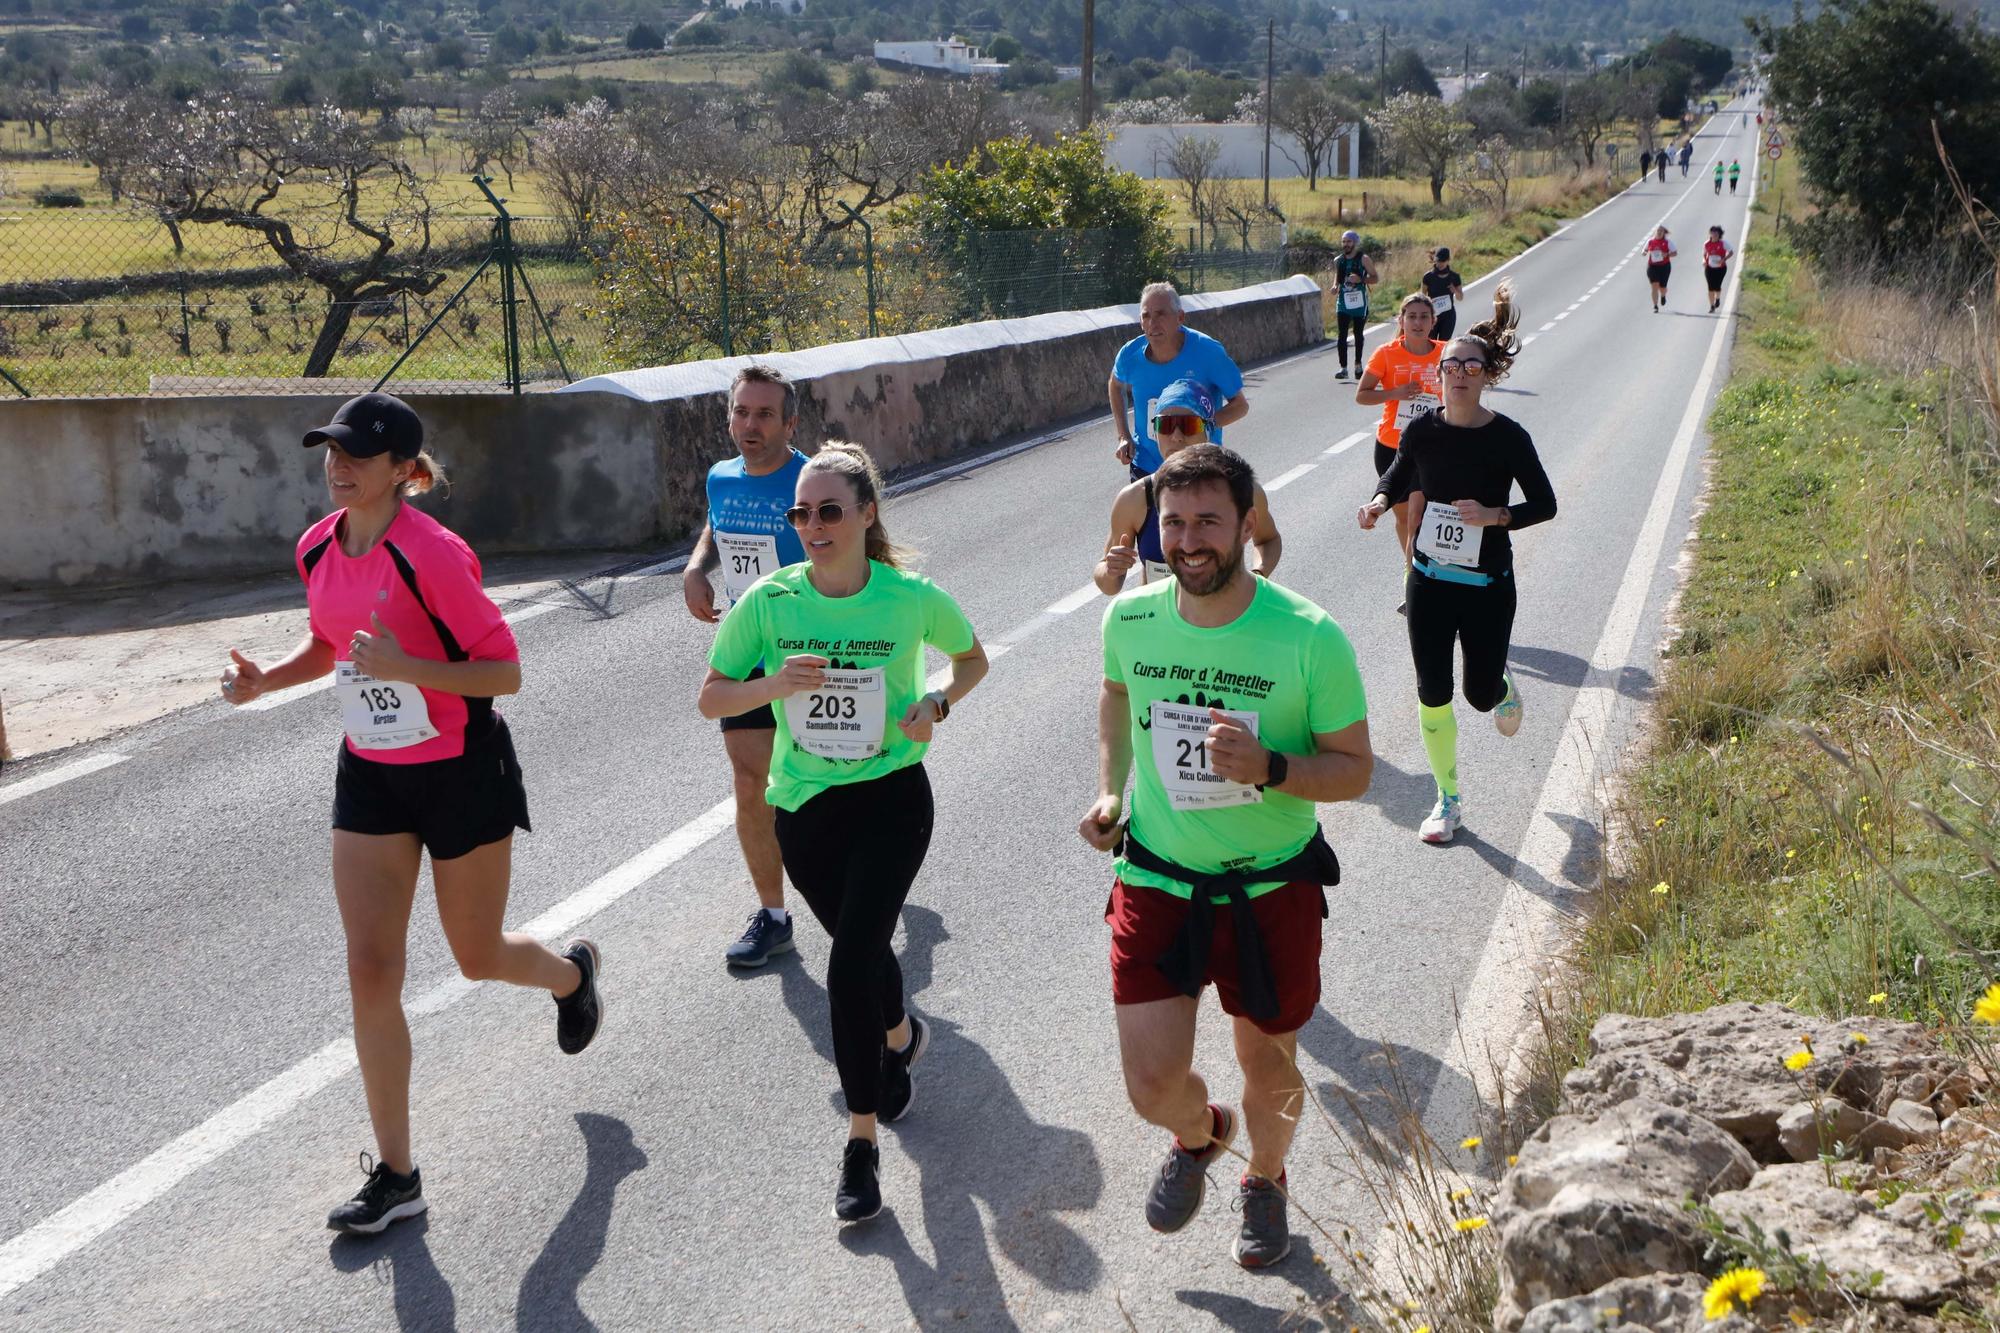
(1661, 822)
(1798, 1060)
(1791, 852)
(1878, 997)
(1858, 1038)
(1513, 1160)
(1988, 1008)
(1468, 1223)
(1475, 1140)
(1739, 1286)
(1661, 889)
(1460, 1195)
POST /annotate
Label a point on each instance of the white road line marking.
(50, 1241)
(1344, 443)
(1546, 327)
(1076, 601)
(60, 774)
(1284, 479)
(1495, 1012)
(1530, 338)
(1559, 318)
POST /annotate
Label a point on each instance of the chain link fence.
(103, 302)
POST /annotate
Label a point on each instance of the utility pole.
(1089, 63)
(1382, 69)
(1270, 69)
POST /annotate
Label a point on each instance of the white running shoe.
(1507, 717)
(1445, 817)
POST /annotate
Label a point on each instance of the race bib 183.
(1180, 753)
(845, 718)
(380, 714)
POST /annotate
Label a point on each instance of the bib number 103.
(1446, 537)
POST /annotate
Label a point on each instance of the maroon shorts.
(1144, 921)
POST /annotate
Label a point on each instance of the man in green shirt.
(1245, 707)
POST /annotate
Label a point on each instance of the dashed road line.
(60, 774)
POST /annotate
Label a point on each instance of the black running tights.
(1479, 620)
(853, 852)
(1356, 323)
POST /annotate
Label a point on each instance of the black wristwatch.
(1280, 768)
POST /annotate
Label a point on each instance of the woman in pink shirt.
(419, 653)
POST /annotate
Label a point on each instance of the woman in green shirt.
(853, 802)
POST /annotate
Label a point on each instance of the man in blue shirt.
(745, 538)
(1166, 351)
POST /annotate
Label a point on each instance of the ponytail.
(1495, 336)
(844, 458)
(426, 477)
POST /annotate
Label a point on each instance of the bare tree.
(1312, 113)
(1191, 158)
(1639, 101)
(589, 158)
(1589, 112)
(1424, 135)
(419, 122)
(1487, 174)
(493, 135)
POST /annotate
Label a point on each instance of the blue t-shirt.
(755, 506)
(1201, 359)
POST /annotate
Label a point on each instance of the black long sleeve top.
(1484, 463)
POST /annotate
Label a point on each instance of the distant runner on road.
(418, 652)
(1459, 467)
(1403, 377)
(1166, 350)
(1660, 252)
(1186, 412)
(1241, 703)
(846, 631)
(1446, 289)
(746, 537)
(1735, 170)
(1353, 274)
(1715, 257)
(1687, 156)
(1718, 175)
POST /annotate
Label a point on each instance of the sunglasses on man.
(1178, 425)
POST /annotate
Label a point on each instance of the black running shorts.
(1658, 273)
(1715, 277)
(757, 719)
(454, 806)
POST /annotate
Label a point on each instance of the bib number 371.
(845, 718)
(381, 714)
(746, 557)
(1180, 754)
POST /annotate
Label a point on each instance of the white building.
(1143, 150)
(947, 56)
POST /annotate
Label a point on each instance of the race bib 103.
(1446, 537)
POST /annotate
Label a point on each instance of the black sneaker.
(763, 938)
(1266, 1235)
(581, 1012)
(386, 1198)
(859, 1196)
(1177, 1192)
(898, 1088)
(1340, 374)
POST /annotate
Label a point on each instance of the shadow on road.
(400, 1258)
(1373, 1083)
(1568, 669)
(548, 1296)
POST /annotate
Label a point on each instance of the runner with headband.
(1243, 703)
(1186, 415)
(745, 538)
(1402, 377)
(854, 811)
(1459, 467)
(418, 653)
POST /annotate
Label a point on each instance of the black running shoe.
(581, 1012)
(1177, 1191)
(386, 1198)
(898, 1088)
(859, 1196)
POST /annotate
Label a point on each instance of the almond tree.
(1424, 135)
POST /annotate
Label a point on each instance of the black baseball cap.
(1442, 252)
(372, 424)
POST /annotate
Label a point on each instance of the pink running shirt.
(342, 592)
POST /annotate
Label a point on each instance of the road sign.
(1776, 140)
(1775, 151)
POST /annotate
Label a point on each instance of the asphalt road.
(180, 1105)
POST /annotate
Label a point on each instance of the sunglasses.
(1463, 365)
(1178, 425)
(829, 513)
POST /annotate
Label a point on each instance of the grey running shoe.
(1266, 1236)
(1177, 1192)
(762, 940)
(386, 1198)
(899, 1090)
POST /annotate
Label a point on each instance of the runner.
(1166, 350)
(1661, 163)
(1459, 467)
(1660, 254)
(1645, 163)
(1353, 274)
(746, 537)
(1687, 156)
(1403, 377)
(1718, 175)
(1715, 257)
(1443, 285)
(1243, 700)
(1186, 412)
(847, 777)
(1735, 170)
(419, 652)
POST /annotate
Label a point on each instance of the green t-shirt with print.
(1285, 660)
(874, 642)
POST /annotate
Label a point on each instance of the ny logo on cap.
(380, 426)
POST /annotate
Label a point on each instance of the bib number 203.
(832, 707)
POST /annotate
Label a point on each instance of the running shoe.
(386, 1198)
(581, 1012)
(1445, 817)
(1177, 1193)
(1340, 374)
(764, 938)
(1403, 608)
(1507, 717)
(1266, 1235)
(859, 1195)
(899, 1090)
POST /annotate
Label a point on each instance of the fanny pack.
(1443, 573)
(1185, 963)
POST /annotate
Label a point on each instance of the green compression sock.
(1441, 744)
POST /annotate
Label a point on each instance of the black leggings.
(1481, 620)
(1356, 323)
(1446, 323)
(853, 852)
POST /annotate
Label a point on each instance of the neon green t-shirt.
(874, 640)
(1284, 660)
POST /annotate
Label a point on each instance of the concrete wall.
(1143, 149)
(124, 489)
